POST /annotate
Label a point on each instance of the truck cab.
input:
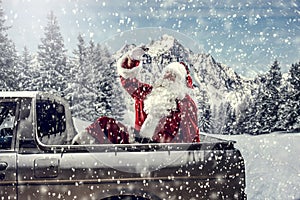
(38, 161)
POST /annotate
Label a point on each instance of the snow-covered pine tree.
(273, 83)
(229, 125)
(218, 118)
(289, 115)
(244, 115)
(295, 95)
(101, 82)
(215, 125)
(256, 111)
(264, 111)
(80, 92)
(204, 111)
(90, 92)
(110, 99)
(286, 112)
(294, 78)
(74, 91)
(26, 72)
(52, 59)
(8, 57)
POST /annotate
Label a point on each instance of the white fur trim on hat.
(126, 73)
(176, 68)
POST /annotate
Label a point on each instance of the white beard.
(160, 102)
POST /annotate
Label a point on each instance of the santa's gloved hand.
(137, 53)
(132, 58)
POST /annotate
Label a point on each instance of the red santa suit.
(166, 116)
(164, 112)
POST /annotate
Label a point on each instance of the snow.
(80, 125)
(272, 164)
(166, 42)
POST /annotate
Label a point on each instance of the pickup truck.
(38, 160)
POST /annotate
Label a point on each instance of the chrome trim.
(6, 183)
(104, 181)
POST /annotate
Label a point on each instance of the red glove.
(134, 57)
(129, 63)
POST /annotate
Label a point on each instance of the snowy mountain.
(220, 82)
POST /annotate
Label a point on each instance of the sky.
(247, 36)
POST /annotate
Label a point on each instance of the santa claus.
(164, 112)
